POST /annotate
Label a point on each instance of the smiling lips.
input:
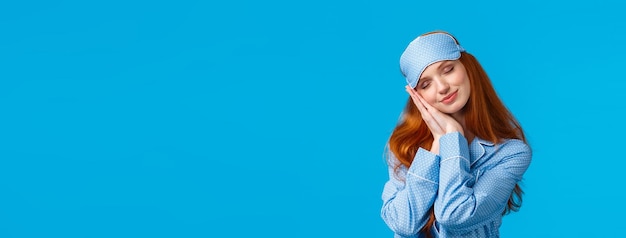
(450, 98)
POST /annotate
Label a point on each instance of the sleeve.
(406, 203)
(462, 202)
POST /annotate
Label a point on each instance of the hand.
(438, 122)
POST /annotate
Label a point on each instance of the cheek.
(430, 95)
(466, 83)
(460, 79)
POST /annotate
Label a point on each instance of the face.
(445, 86)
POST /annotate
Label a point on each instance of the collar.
(477, 149)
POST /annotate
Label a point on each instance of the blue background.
(269, 118)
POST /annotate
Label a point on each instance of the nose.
(442, 86)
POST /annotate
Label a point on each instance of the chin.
(449, 109)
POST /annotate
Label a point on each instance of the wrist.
(434, 148)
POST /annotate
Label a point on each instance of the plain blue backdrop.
(269, 118)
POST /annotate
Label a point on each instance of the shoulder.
(513, 146)
(502, 148)
(513, 151)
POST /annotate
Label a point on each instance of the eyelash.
(446, 70)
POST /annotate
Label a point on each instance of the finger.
(423, 102)
(431, 122)
(415, 97)
(442, 119)
(436, 114)
(427, 107)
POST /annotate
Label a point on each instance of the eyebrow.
(444, 64)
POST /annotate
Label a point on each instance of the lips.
(450, 98)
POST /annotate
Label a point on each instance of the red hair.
(485, 116)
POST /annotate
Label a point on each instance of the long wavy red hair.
(485, 116)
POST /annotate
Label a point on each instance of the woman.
(457, 154)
